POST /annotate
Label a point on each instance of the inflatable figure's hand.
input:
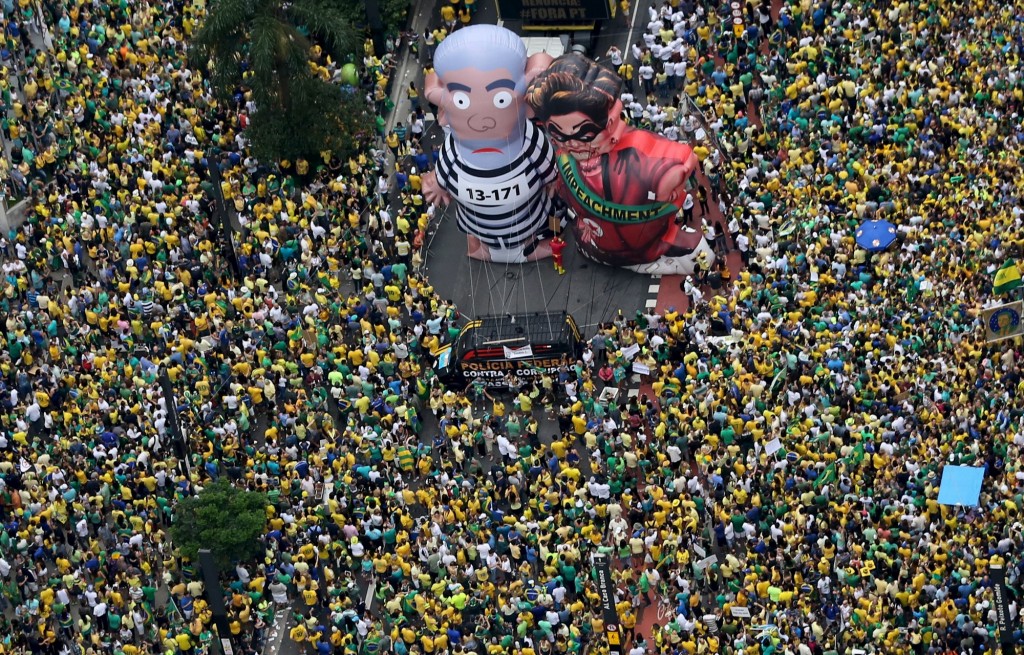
(672, 185)
(537, 64)
(433, 192)
(628, 159)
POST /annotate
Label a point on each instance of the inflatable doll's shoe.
(680, 241)
(675, 265)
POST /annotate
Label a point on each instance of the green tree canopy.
(266, 47)
(393, 13)
(227, 520)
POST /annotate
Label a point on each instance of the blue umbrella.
(875, 236)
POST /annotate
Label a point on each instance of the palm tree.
(265, 48)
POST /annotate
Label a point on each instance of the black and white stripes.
(504, 207)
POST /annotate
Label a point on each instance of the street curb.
(277, 632)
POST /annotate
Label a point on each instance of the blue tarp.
(961, 485)
(875, 236)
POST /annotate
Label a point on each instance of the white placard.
(740, 612)
(773, 446)
(518, 353)
(642, 369)
(699, 551)
(706, 562)
(630, 353)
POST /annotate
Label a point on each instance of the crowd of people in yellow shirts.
(795, 425)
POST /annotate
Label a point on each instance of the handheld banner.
(1003, 321)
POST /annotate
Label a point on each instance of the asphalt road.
(589, 291)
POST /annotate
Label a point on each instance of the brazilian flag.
(828, 476)
(1007, 278)
(406, 460)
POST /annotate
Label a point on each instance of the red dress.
(615, 220)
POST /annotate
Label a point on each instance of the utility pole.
(173, 425)
(5, 223)
(221, 214)
(373, 17)
(215, 598)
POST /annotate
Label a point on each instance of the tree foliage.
(325, 117)
(227, 520)
(265, 47)
(393, 13)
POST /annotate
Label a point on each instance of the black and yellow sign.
(614, 638)
(554, 12)
(1004, 618)
(493, 371)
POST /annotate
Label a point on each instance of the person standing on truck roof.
(512, 382)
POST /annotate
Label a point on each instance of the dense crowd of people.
(300, 358)
(868, 367)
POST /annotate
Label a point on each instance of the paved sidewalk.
(12, 215)
(41, 39)
(410, 68)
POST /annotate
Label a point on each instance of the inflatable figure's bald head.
(481, 70)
